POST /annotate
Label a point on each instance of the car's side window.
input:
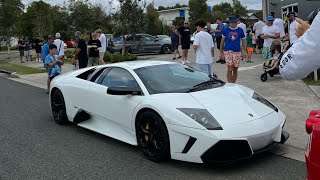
(119, 77)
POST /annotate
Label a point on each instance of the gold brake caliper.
(147, 128)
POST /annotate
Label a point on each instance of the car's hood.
(232, 104)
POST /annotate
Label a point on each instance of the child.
(274, 53)
(53, 63)
(250, 47)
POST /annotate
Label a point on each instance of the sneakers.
(179, 57)
(183, 62)
(187, 62)
(221, 61)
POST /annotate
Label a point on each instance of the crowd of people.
(235, 41)
(53, 56)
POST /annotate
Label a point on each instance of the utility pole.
(265, 9)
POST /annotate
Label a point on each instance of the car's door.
(151, 45)
(118, 108)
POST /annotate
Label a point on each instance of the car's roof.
(139, 64)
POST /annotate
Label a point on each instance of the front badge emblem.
(250, 114)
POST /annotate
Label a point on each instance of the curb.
(10, 73)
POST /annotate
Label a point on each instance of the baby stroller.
(274, 55)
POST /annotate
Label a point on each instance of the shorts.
(94, 60)
(250, 49)
(38, 50)
(101, 55)
(232, 58)
(175, 46)
(205, 68)
(185, 46)
(218, 39)
(21, 52)
(52, 78)
(27, 53)
(267, 54)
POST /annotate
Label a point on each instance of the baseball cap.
(270, 18)
(291, 14)
(77, 33)
(233, 19)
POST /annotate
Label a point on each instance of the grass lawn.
(310, 81)
(20, 69)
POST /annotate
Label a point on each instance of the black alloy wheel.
(153, 137)
(58, 107)
(166, 49)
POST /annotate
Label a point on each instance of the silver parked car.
(166, 45)
(143, 44)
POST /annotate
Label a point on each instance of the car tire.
(166, 49)
(153, 137)
(58, 107)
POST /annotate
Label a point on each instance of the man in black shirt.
(81, 53)
(184, 35)
(21, 48)
(93, 46)
(38, 44)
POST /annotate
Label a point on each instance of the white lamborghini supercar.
(169, 110)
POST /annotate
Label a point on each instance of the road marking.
(248, 68)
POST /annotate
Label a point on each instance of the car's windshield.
(172, 78)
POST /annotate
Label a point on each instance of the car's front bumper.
(231, 144)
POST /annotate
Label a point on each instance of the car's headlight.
(203, 117)
(261, 99)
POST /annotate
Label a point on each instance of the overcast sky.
(251, 4)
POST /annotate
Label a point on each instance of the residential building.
(169, 15)
(302, 8)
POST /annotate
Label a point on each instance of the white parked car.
(169, 110)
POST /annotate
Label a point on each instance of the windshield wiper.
(213, 80)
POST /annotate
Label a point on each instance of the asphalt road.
(32, 146)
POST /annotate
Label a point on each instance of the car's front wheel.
(153, 137)
(58, 107)
(166, 49)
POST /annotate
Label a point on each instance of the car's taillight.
(312, 120)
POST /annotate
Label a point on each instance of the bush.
(69, 53)
(113, 58)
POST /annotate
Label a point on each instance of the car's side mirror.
(123, 91)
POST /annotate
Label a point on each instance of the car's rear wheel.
(58, 107)
(153, 137)
(166, 49)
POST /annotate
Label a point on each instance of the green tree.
(178, 21)
(161, 8)
(10, 12)
(259, 14)
(223, 10)
(153, 23)
(81, 16)
(130, 19)
(38, 20)
(198, 10)
(239, 9)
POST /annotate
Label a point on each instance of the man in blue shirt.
(53, 63)
(230, 48)
(27, 49)
(44, 53)
(218, 32)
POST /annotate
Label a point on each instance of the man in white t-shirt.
(103, 47)
(269, 33)
(257, 28)
(293, 25)
(60, 46)
(204, 48)
(280, 24)
(242, 26)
